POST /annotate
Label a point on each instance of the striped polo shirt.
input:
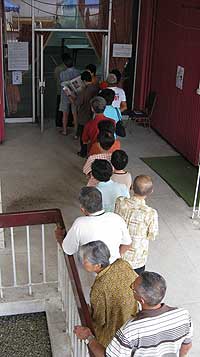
(153, 333)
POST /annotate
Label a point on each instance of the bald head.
(143, 185)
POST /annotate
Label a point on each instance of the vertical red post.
(2, 132)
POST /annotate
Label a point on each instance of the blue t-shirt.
(112, 113)
(110, 190)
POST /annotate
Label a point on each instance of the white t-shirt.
(108, 227)
(120, 96)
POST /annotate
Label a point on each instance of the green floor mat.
(179, 173)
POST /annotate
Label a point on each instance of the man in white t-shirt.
(96, 224)
(120, 96)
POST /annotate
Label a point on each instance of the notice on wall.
(16, 77)
(179, 77)
(122, 50)
(18, 56)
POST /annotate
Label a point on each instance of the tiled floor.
(43, 171)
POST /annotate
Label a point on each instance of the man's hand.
(82, 332)
(95, 347)
(60, 234)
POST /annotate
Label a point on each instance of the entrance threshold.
(19, 120)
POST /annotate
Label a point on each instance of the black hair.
(106, 125)
(108, 94)
(86, 76)
(106, 139)
(92, 68)
(65, 56)
(67, 60)
(91, 199)
(101, 170)
(152, 288)
(117, 73)
(119, 159)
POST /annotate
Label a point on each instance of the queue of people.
(112, 238)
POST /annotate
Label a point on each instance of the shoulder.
(151, 210)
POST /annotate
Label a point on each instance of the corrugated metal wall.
(177, 42)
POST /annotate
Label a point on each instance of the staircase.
(40, 287)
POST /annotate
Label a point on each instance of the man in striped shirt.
(157, 330)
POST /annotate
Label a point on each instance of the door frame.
(105, 55)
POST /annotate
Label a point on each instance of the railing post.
(13, 256)
(1, 287)
(43, 256)
(29, 260)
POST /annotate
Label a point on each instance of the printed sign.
(16, 77)
(122, 50)
(18, 56)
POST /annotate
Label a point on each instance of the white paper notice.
(122, 50)
(179, 77)
(18, 56)
(16, 77)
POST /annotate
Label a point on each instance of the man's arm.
(60, 234)
(123, 106)
(123, 248)
(71, 241)
(85, 135)
(95, 347)
(184, 349)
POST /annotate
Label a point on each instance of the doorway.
(49, 48)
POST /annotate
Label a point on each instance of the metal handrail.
(50, 216)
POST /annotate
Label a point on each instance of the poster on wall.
(18, 56)
(16, 77)
(179, 77)
(122, 50)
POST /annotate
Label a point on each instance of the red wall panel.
(1, 90)
(177, 42)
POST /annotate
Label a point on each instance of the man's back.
(153, 333)
(107, 227)
(142, 222)
(109, 312)
(110, 191)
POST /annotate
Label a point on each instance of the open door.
(1, 87)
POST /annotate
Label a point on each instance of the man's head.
(119, 159)
(143, 185)
(94, 256)
(117, 73)
(149, 288)
(111, 80)
(67, 60)
(108, 94)
(91, 68)
(90, 200)
(101, 170)
(98, 104)
(106, 125)
(106, 139)
(86, 77)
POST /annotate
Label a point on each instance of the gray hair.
(95, 252)
(90, 198)
(152, 288)
(98, 104)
